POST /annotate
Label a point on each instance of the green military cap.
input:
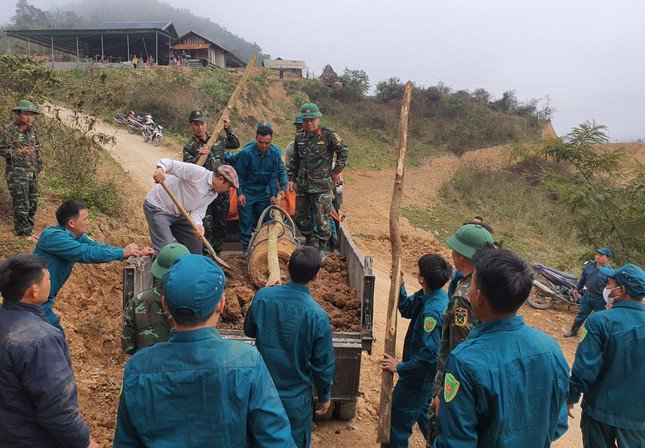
(310, 110)
(166, 257)
(197, 115)
(630, 276)
(468, 239)
(26, 106)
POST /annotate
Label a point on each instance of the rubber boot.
(574, 330)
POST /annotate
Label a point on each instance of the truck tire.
(346, 410)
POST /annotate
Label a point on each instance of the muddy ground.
(331, 291)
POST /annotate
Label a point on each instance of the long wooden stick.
(387, 380)
(227, 269)
(229, 107)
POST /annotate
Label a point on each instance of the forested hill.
(89, 13)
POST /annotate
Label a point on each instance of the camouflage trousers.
(215, 221)
(24, 195)
(317, 205)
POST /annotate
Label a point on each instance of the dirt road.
(366, 206)
(137, 157)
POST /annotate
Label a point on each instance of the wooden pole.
(227, 269)
(387, 380)
(229, 107)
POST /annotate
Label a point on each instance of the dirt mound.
(331, 291)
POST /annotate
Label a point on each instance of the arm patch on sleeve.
(461, 316)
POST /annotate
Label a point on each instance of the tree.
(508, 103)
(356, 80)
(28, 16)
(481, 95)
(604, 190)
(390, 89)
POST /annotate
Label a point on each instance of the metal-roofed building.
(109, 41)
(197, 50)
(294, 67)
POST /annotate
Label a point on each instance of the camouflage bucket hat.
(26, 106)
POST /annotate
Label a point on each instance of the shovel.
(227, 269)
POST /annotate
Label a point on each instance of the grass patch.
(524, 218)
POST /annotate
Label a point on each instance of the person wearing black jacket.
(38, 396)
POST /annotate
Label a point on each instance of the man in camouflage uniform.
(459, 318)
(144, 320)
(19, 146)
(314, 174)
(217, 211)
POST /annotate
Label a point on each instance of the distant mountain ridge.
(97, 11)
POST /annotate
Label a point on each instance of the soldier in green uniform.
(215, 218)
(144, 320)
(19, 146)
(314, 174)
(459, 318)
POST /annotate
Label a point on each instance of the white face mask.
(605, 295)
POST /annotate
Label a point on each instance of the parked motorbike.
(122, 119)
(136, 124)
(153, 132)
(551, 287)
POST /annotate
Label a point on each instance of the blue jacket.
(38, 398)
(421, 346)
(61, 250)
(506, 386)
(293, 334)
(593, 279)
(258, 175)
(199, 390)
(610, 367)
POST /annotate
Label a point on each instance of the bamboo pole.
(225, 267)
(387, 380)
(229, 107)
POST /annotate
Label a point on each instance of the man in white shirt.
(194, 187)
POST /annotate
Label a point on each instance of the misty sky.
(587, 55)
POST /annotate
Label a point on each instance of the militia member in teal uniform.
(314, 173)
(198, 389)
(217, 211)
(260, 171)
(293, 334)
(68, 243)
(20, 147)
(609, 367)
(145, 322)
(425, 309)
(507, 385)
(459, 318)
(594, 281)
